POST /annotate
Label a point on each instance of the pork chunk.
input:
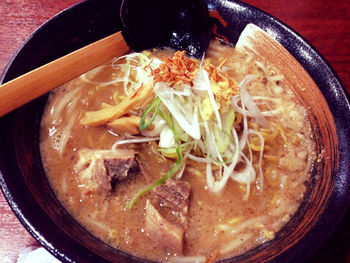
(120, 168)
(174, 194)
(98, 168)
(94, 179)
(162, 231)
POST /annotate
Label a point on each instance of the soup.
(174, 159)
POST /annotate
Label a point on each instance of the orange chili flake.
(176, 70)
(226, 87)
(214, 74)
(181, 69)
(148, 65)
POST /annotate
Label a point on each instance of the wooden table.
(325, 24)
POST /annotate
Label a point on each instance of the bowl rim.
(338, 102)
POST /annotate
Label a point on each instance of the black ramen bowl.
(28, 192)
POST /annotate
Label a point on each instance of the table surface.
(325, 24)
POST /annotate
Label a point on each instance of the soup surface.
(220, 169)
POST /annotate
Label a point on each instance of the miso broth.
(240, 182)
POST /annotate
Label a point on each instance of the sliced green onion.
(167, 118)
(180, 132)
(184, 147)
(143, 125)
(222, 162)
(173, 170)
(228, 119)
(167, 150)
(222, 137)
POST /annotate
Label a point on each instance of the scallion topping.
(155, 104)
